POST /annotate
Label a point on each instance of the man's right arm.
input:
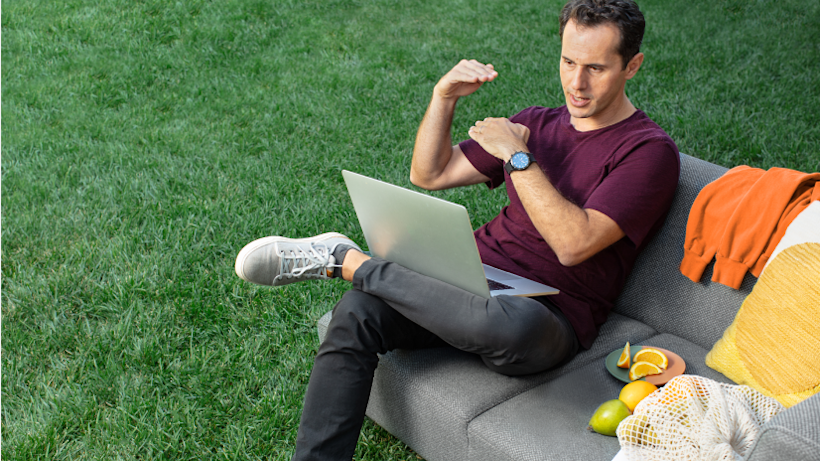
(437, 163)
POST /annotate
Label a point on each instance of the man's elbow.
(580, 244)
(571, 257)
(422, 181)
(416, 179)
(569, 261)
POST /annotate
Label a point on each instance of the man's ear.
(633, 65)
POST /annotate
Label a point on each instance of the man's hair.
(624, 14)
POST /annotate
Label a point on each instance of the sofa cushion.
(656, 292)
(427, 397)
(549, 421)
(772, 345)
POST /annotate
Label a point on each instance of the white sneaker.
(279, 261)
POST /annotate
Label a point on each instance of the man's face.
(593, 75)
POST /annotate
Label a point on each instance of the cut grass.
(144, 143)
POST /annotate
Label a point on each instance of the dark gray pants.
(391, 307)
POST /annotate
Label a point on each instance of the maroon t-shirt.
(627, 171)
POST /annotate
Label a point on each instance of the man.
(590, 184)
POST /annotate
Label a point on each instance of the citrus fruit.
(651, 355)
(638, 429)
(641, 369)
(634, 392)
(606, 418)
(625, 359)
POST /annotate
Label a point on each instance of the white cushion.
(805, 228)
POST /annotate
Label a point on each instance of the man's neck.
(615, 113)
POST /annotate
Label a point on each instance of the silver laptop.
(430, 236)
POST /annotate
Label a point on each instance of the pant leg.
(513, 335)
(392, 307)
(362, 327)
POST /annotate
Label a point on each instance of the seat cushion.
(426, 398)
(549, 421)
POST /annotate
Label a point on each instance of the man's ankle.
(351, 263)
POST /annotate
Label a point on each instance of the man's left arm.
(575, 234)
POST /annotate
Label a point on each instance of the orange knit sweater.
(739, 218)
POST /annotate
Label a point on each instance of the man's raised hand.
(500, 137)
(464, 79)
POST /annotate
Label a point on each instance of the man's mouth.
(578, 101)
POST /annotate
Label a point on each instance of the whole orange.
(634, 392)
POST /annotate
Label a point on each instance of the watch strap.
(508, 167)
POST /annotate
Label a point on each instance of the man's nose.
(579, 81)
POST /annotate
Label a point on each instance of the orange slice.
(651, 355)
(641, 369)
(625, 359)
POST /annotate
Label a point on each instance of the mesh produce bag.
(696, 418)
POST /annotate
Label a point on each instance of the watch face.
(520, 160)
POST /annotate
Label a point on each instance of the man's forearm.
(437, 164)
(433, 147)
(575, 234)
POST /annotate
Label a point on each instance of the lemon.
(638, 429)
(636, 391)
(606, 418)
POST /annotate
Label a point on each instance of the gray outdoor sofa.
(446, 405)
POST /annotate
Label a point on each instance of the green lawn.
(145, 142)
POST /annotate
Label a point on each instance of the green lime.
(606, 418)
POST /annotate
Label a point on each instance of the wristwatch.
(519, 161)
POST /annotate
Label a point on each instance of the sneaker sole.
(251, 247)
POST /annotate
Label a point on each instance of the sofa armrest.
(792, 435)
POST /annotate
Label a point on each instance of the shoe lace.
(312, 261)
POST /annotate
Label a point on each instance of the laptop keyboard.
(495, 286)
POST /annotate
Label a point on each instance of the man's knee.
(357, 321)
(529, 338)
(518, 321)
(357, 307)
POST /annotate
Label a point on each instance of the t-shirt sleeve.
(485, 162)
(639, 189)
